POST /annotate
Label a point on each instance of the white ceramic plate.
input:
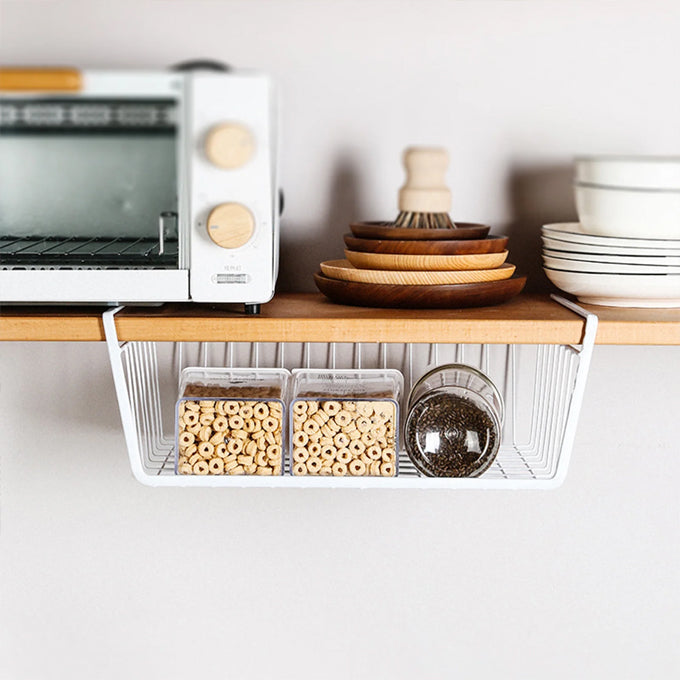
(606, 268)
(568, 247)
(619, 290)
(573, 232)
(614, 259)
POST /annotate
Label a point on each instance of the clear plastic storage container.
(230, 421)
(345, 422)
(454, 421)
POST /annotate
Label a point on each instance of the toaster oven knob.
(229, 145)
(230, 225)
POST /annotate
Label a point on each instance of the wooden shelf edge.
(308, 317)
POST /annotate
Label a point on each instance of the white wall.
(101, 577)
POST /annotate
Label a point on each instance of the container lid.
(633, 172)
(358, 383)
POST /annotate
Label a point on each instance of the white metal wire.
(542, 386)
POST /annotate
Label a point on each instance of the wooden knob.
(230, 225)
(425, 190)
(229, 145)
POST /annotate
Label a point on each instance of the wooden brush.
(425, 200)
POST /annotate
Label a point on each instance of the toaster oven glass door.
(88, 183)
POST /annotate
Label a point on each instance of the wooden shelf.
(308, 317)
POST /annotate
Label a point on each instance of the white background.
(102, 577)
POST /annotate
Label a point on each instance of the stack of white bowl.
(625, 251)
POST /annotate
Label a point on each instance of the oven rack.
(54, 251)
(542, 386)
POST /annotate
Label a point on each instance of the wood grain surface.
(425, 263)
(481, 294)
(387, 230)
(491, 244)
(343, 270)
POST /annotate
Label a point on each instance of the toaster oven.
(137, 186)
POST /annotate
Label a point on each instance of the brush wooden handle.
(425, 190)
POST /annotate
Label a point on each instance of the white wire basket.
(542, 387)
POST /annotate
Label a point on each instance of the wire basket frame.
(542, 387)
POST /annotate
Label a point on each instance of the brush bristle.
(418, 220)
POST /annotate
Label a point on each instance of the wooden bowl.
(387, 230)
(491, 244)
(458, 296)
(343, 270)
(425, 262)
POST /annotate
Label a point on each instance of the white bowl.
(605, 268)
(615, 290)
(642, 172)
(574, 233)
(558, 244)
(613, 259)
(629, 212)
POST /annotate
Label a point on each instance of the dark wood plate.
(387, 230)
(420, 297)
(472, 246)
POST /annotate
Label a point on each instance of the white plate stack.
(625, 252)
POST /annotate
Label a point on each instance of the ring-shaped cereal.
(194, 429)
(261, 459)
(374, 468)
(206, 404)
(270, 424)
(389, 455)
(217, 438)
(299, 469)
(235, 445)
(220, 424)
(332, 408)
(357, 468)
(300, 408)
(260, 410)
(368, 438)
(314, 448)
(373, 452)
(274, 451)
(200, 467)
(329, 450)
(387, 469)
(216, 466)
(321, 417)
(221, 450)
(343, 456)
(205, 433)
(231, 408)
(190, 417)
(186, 439)
(341, 440)
(300, 455)
(310, 427)
(185, 469)
(325, 471)
(220, 407)
(206, 449)
(249, 425)
(239, 434)
(300, 438)
(251, 447)
(339, 469)
(246, 411)
(357, 447)
(343, 418)
(363, 424)
(313, 464)
(194, 459)
(207, 418)
(235, 422)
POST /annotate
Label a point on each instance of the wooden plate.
(420, 297)
(345, 271)
(387, 230)
(491, 244)
(425, 262)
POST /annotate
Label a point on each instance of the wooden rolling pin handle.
(425, 190)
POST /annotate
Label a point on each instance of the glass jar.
(453, 423)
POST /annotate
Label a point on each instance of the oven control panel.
(231, 185)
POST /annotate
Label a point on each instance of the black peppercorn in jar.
(453, 425)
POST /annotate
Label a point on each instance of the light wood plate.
(471, 246)
(425, 263)
(344, 270)
(420, 297)
(387, 230)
